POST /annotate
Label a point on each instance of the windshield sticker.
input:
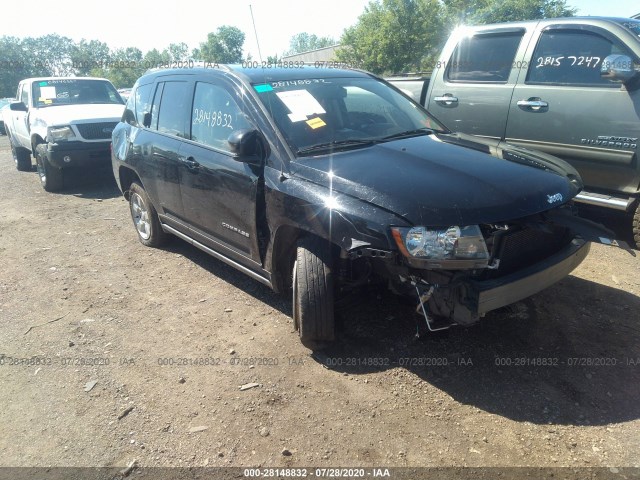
(298, 83)
(43, 84)
(47, 92)
(316, 123)
(297, 118)
(301, 104)
(265, 87)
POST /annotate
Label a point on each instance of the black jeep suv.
(317, 181)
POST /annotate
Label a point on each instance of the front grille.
(528, 246)
(96, 131)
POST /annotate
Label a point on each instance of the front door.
(219, 192)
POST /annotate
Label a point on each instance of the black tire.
(21, 157)
(636, 226)
(313, 293)
(51, 178)
(145, 217)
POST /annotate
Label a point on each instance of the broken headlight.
(452, 247)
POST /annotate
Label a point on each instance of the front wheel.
(21, 157)
(51, 178)
(313, 292)
(145, 218)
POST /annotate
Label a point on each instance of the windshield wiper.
(336, 145)
(409, 133)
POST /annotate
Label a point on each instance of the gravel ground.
(112, 352)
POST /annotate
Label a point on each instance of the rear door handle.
(532, 103)
(447, 99)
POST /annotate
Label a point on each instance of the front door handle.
(447, 99)
(190, 162)
(533, 103)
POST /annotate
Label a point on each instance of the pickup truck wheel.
(145, 217)
(313, 306)
(21, 157)
(51, 178)
(636, 226)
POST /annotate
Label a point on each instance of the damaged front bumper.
(489, 295)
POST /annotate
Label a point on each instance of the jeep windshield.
(320, 115)
(74, 92)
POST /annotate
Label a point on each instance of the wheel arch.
(36, 140)
(127, 176)
(283, 254)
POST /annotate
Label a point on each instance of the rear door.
(219, 192)
(159, 146)
(471, 90)
(565, 108)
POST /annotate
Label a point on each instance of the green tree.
(16, 65)
(393, 35)
(87, 55)
(153, 58)
(223, 46)
(303, 42)
(50, 55)
(496, 11)
(178, 51)
(124, 68)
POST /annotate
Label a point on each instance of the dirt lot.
(171, 335)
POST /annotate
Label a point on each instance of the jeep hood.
(446, 179)
(74, 114)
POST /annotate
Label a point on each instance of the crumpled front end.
(458, 279)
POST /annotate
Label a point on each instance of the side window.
(155, 107)
(24, 96)
(173, 107)
(141, 102)
(214, 116)
(571, 58)
(484, 58)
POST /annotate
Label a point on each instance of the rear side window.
(214, 116)
(484, 58)
(571, 57)
(24, 96)
(172, 109)
(142, 99)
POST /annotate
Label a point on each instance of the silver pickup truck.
(569, 87)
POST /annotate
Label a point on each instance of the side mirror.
(248, 146)
(146, 120)
(618, 68)
(17, 107)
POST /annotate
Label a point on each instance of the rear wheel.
(51, 178)
(145, 217)
(21, 157)
(313, 293)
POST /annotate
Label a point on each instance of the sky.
(147, 25)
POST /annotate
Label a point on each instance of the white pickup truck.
(62, 122)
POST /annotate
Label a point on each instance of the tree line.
(389, 36)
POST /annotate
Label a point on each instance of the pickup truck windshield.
(74, 92)
(319, 114)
